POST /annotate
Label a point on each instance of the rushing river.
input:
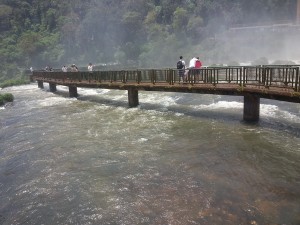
(177, 159)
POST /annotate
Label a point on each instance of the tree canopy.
(145, 33)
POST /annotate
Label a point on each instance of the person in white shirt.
(90, 67)
(191, 71)
(64, 69)
(192, 63)
(74, 68)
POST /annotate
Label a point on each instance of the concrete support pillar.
(52, 87)
(133, 97)
(40, 84)
(73, 91)
(251, 108)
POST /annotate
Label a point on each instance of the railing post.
(89, 76)
(139, 76)
(205, 76)
(191, 76)
(153, 76)
(240, 76)
(210, 76)
(226, 75)
(65, 76)
(101, 74)
(239, 72)
(78, 76)
(168, 76)
(297, 80)
(216, 77)
(243, 80)
(171, 76)
(267, 77)
(96, 76)
(124, 76)
(174, 76)
(110, 73)
(261, 75)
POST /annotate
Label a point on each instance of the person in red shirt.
(198, 65)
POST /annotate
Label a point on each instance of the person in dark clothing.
(181, 68)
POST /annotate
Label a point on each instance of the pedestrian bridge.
(253, 82)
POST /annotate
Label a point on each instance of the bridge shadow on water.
(230, 117)
(180, 108)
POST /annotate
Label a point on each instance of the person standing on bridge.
(90, 69)
(181, 68)
(192, 63)
(191, 71)
(198, 65)
(64, 69)
(74, 68)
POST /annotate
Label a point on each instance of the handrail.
(267, 76)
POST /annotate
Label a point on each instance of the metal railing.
(266, 76)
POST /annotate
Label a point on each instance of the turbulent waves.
(175, 159)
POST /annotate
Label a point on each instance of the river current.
(176, 159)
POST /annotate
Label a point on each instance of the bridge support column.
(251, 108)
(133, 97)
(73, 91)
(40, 84)
(52, 87)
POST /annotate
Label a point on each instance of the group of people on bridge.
(184, 71)
(74, 68)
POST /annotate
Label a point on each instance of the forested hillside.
(144, 33)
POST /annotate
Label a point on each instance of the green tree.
(195, 27)
(180, 20)
(30, 43)
(5, 15)
(154, 32)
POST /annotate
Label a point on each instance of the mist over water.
(175, 159)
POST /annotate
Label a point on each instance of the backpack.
(179, 65)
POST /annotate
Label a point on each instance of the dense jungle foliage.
(144, 33)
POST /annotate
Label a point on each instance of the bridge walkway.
(271, 82)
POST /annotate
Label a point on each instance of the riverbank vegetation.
(132, 33)
(14, 82)
(6, 97)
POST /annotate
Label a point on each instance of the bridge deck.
(279, 83)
